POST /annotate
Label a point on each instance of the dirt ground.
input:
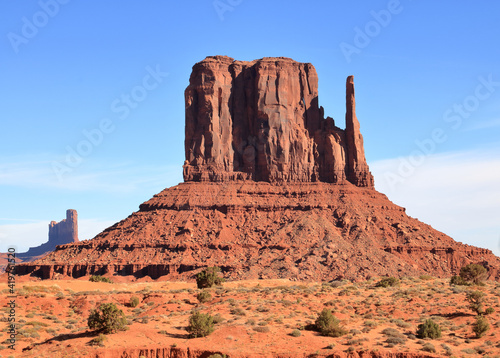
(254, 318)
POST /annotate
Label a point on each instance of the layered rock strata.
(272, 190)
(305, 231)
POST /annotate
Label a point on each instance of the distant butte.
(60, 233)
(272, 189)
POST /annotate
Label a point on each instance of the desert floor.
(254, 318)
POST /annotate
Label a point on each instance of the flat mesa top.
(229, 60)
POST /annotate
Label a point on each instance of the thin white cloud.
(457, 193)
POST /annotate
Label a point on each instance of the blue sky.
(113, 74)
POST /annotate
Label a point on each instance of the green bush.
(458, 281)
(387, 282)
(474, 273)
(134, 301)
(429, 329)
(476, 300)
(481, 326)
(204, 296)
(107, 318)
(209, 277)
(489, 310)
(200, 325)
(328, 325)
(99, 278)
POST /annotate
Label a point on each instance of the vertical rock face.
(66, 230)
(261, 121)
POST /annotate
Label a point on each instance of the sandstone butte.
(272, 189)
(60, 233)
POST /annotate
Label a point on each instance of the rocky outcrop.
(60, 233)
(66, 230)
(272, 190)
(261, 121)
(303, 231)
(174, 352)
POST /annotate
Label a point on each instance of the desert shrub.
(458, 281)
(469, 351)
(237, 311)
(426, 277)
(99, 278)
(209, 277)
(354, 332)
(395, 340)
(134, 301)
(328, 325)
(429, 347)
(370, 324)
(217, 355)
(36, 324)
(392, 332)
(262, 309)
(481, 326)
(261, 329)
(447, 349)
(59, 295)
(489, 310)
(99, 340)
(218, 318)
(296, 333)
(474, 273)
(429, 329)
(387, 282)
(200, 325)
(401, 323)
(204, 296)
(476, 300)
(107, 318)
